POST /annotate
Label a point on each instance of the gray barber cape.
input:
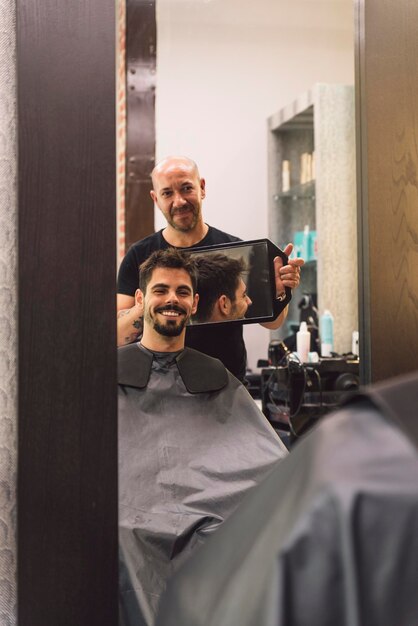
(330, 538)
(192, 442)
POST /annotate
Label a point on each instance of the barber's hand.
(287, 275)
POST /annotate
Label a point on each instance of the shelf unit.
(320, 121)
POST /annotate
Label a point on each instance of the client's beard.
(170, 330)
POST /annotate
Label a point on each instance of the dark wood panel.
(67, 457)
(388, 114)
(141, 53)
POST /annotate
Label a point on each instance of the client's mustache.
(170, 307)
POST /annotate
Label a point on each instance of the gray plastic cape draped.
(186, 459)
(330, 538)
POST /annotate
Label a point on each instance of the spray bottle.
(303, 342)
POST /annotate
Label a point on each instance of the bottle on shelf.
(285, 176)
(307, 167)
(313, 246)
(303, 342)
(301, 243)
(326, 326)
(309, 314)
(354, 343)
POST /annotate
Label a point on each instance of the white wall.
(224, 66)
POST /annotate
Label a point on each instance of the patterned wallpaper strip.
(121, 127)
(8, 315)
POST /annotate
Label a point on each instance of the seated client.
(192, 441)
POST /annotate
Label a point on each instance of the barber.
(178, 190)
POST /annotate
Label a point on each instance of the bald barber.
(178, 191)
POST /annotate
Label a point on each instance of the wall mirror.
(217, 71)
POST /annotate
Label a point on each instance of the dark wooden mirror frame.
(67, 429)
(67, 470)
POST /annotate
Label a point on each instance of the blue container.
(312, 247)
(326, 325)
(301, 243)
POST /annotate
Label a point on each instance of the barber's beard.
(185, 228)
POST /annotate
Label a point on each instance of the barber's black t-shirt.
(223, 341)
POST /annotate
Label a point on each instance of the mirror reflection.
(222, 69)
(222, 284)
(233, 284)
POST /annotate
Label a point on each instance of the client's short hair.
(218, 274)
(169, 258)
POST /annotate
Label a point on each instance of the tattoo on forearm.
(136, 324)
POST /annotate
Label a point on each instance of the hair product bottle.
(303, 342)
(327, 333)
